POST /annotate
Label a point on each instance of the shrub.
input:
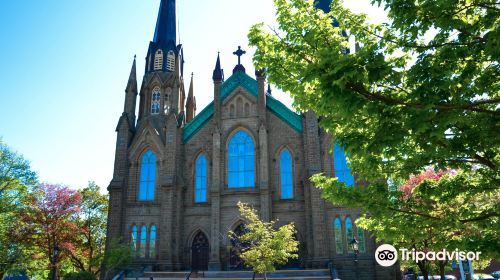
(84, 275)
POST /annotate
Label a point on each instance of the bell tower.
(162, 91)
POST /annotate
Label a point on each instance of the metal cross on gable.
(239, 52)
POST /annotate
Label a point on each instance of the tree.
(91, 220)
(421, 90)
(48, 223)
(117, 257)
(16, 180)
(392, 220)
(267, 246)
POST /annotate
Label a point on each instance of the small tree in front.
(267, 246)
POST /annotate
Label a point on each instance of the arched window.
(152, 242)
(348, 233)
(158, 60)
(155, 101)
(142, 245)
(241, 161)
(148, 177)
(286, 174)
(166, 102)
(133, 239)
(361, 240)
(201, 180)
(338, 236)
(171, 61)
(342, 170)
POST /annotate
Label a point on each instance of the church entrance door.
(237, 246)
(199, 252)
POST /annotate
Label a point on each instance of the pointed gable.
(241, 79)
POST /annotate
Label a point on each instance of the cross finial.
(239, 52)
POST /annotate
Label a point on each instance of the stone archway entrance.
(235, 262)
(199, 252)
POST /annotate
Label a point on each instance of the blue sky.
(64, 65)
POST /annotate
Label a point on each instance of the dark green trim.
(241, 79)
(197, 123)
(285, 114)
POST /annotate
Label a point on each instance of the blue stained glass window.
(152, 242)
(349, 235)
(338, 236)
(361, 240)
(241, 161)
(342, 170)
(147, 177)
(142, 245)
(286, 174)
(201, 179)
(133, 239)
(155, 101)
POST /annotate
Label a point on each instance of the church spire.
(166, 27)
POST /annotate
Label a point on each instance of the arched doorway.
(237, 246)
(199, 252)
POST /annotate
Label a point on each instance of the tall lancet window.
(147, 177)
(342, 170)
(166, 102)
(348, 233)
(361, 240)
(142, 245)
(152, 242)
(201, 180)
(286, 174)
(171, 61)
(158, 60)
(133, 239)
(338, 236)
(155, 100)
(241, 161)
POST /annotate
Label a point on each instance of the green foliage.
(92, 220)
(16, 181)
(83, 275)
(117, 257)
(422, 90)
(267, 246)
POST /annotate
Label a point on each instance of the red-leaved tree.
(48, 224)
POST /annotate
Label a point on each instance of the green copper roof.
(239, 79)
(248, 83)
(285, 114)
(197, 123)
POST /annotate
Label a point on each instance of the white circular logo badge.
(386, 255)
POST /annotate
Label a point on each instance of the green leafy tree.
(116, 258)
(82, 275)
(47, 224)
(16, 180)
(421, 90)
(267, 246)
(92, 220)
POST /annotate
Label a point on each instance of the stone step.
(236, 278)
(312, 274)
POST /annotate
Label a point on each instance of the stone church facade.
(179, 175)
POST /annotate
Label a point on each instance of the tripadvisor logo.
(386, 255)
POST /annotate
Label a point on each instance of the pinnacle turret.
(218, 72)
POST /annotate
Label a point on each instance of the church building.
(179, 174)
